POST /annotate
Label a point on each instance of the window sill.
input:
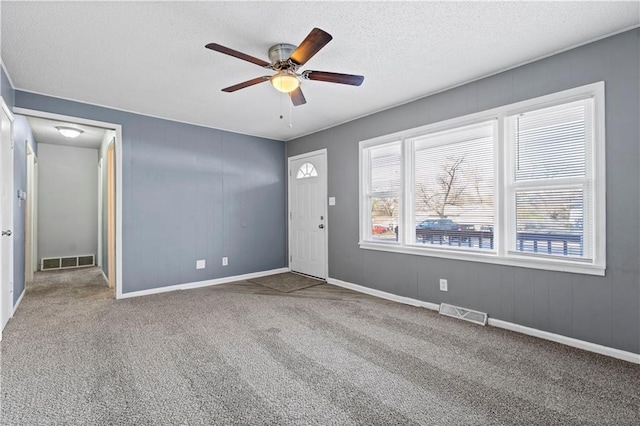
(490, 257)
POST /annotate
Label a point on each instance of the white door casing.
(34, 216)
(29, 241)
(100, 179)
(6, 214)
(308, 214)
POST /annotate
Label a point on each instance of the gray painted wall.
(603, 310)
(191, 193)
(67, 201)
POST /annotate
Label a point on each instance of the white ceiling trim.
(61, 117)
(140, 113)
(6, 72)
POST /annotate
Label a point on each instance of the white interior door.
(307, 214)
(6, 215)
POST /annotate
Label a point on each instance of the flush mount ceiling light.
(69, 132)
(285, 82)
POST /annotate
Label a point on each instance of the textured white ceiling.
(44, 130)
(149, 57)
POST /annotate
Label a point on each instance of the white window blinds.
(453, 187)
(551, 181)
(550, 143)
(385, 186)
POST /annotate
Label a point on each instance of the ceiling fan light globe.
(285, 82)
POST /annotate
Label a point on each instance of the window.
(383, 186)
(520, 185)
(453, 185)
(307, 170)
(550, 180)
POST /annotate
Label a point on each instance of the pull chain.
(290, 110)
(290, 115)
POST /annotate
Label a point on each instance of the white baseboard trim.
(106, 279)
(198, 284)
(384, 294)
(15, 307)
(569, 341)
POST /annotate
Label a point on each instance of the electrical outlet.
(201, 264)
(443, 285)
(225, 261)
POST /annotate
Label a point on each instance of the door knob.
(7, 233)
(321, 226)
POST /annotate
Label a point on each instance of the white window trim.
(500, 255)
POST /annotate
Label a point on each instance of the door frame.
(290, 160)
(5, 109)
(110, 219)
(99, 258)
(118, 166)
(31, 218)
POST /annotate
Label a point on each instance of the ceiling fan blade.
(315, 41)
(246, 84)
(334, 77)
(297, 98)
(236, 54)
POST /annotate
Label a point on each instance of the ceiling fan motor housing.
(279, 56)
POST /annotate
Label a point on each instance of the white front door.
(6, 216)
(307, 214)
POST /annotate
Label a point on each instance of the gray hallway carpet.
(243, 354)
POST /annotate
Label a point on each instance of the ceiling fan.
(285, 60)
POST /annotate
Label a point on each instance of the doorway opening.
(75, 216)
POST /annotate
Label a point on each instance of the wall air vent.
(464, 314)
(69, 262)
(85, 260)
(53, 263)
(50, 263)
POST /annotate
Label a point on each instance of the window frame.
(365, 188)
(504, 193)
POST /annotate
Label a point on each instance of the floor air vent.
(66, 262)
(462, 313)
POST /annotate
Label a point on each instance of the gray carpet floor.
(242, 354)
(287, 282)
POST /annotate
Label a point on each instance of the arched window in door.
(307, 170)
